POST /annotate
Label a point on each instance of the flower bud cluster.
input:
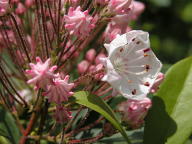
(56, 89)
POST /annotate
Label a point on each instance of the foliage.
(170, 117)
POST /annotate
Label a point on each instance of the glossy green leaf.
(8, 128)
(169, 120)
(97, 104)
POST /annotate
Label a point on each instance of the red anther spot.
(145, 55)
(134, 92)
(147, 84)
(138, 42)
(147, 67)
(133, 39)
(121, 49)
(146, 50)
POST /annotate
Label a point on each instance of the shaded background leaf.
(169, 120)
(8, 127)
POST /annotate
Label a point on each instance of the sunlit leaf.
(97, 104)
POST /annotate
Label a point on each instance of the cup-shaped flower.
(59, 90)
(134, 111)
(131, 66)
(41, 73)
(79, 23)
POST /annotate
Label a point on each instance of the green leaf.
(97, 104)
(8, 128)
(136, 137)
(169, 120)
(3, 140)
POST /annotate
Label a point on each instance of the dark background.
(169, 23)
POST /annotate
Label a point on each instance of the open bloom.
(131, 66)
(134, 111)
(79, 23)
(59, 90)
(41, 73)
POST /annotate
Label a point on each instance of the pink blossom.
(157, 82)
(3, 6)
(20, 8)
(134, 111)
(122, 20)
(119, 6)
(111, 32)
(59, 90)
(83, 66)
(41, 73)
(79, 23)
(139, 7)
(90, 55)
(62, 114)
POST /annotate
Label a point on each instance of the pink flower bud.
(91, 68)
(4, 4)
(90, 55)
(20, 8)
(139, 7)
(101, 55)
(83, 66)
(119, 6)
(111, 32)
(157, 82)
(134, 111)
(29, 3)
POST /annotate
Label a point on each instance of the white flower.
(131, 66)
